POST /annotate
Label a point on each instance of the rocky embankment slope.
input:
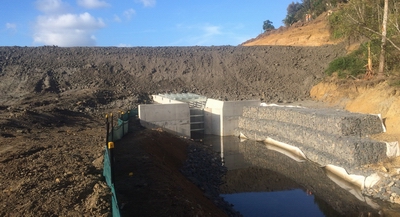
(271, 73)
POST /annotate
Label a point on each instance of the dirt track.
(53, 99)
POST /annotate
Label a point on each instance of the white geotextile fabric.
(350, 182)
(393, 149)
(383, 126)
(263, 104)
(371, 180)
(283, 148)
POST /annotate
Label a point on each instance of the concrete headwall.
(213, 117)
(222, 117)
(232, 111)
(171, 117)
(165, 100)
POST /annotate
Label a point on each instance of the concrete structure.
(172, 117)
(196, 105)
(194, 100)
(222, 117)
(192, 115)
(159, 99)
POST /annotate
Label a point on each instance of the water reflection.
(253, 167)
(270, 203)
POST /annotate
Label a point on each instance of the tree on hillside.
(373, 19)
(383, 42)
(313, 7)
(292, 11)
(334, 3)
(268, 25)
(298, 11)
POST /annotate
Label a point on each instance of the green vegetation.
(353, 19)
(298, 11)
(268, 25)
(395, 82)
(356, 20)
(363, 19)
(294, 13)
(338, 30)
(353, 64)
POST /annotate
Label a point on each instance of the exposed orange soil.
(313, 33)
(364, 97)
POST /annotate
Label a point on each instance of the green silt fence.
(114, 134)
(107, 173)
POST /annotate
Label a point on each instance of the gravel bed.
(203, 167)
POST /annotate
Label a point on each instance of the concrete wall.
(212, 117)
(174, 118)
(163, 100)
(222, 117)
(231, 112)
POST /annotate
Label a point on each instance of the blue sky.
(128, 23)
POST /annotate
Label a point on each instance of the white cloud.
(67, 30)
(208, 34)
(204, 34)
(129, 13)
(58, 26)
(11, 26)
(210, 30)
(51, 6)
(147, 3)
(93, 4)
(117, 19)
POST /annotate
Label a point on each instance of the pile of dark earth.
(89, 79)
(53, 101)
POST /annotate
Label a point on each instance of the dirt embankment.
(53, 101)
(271, 73)
(313, 33)
(364, 97)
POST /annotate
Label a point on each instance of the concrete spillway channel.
(335, 139)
